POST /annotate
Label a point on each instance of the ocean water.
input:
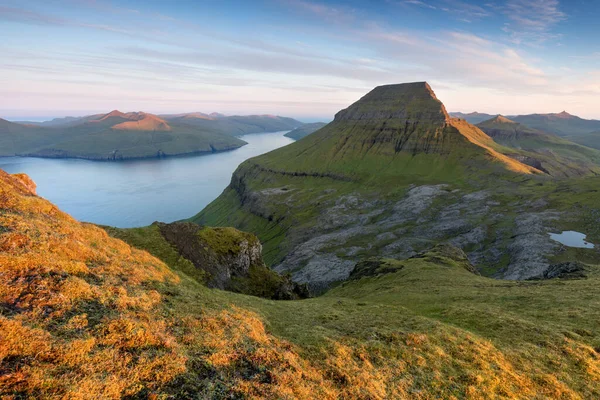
(137, 193)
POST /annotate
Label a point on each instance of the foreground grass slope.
(425, 328)
(84, 315)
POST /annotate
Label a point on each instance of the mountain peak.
(410, 101)
(114, 113)
(503, 120)
(564, 114)
(143, 122)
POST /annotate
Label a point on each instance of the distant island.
(305, 130)
(134, 135)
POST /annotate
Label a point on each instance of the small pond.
(572, 239)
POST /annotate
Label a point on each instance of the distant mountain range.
(550, 152)
(119, 136)
(575, 129)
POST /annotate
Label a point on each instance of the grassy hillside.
(114, 144)
(550, 151)
(122, 136)
(78, 306)
(237, 125)
(305, 130)
(392, 175)
(113, 136)
(563, 124)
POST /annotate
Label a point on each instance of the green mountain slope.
(392, 175)
(305, 130)
(122, 136)
(563, 124)
(550, 153)
(114, 136)
(78, 306)
(236, 125)
(425, 325)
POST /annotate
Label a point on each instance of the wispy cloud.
(419, 3)
(532, 21)
(328, 13)
(465, 9)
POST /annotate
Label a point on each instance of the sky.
(301, 58)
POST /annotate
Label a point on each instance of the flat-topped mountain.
(405, 123)
(390, 175)
(118, 135)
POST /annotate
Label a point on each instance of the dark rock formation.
(231, 259)
(565, 270)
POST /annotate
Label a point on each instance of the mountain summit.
(404, 124)
(363, 181)
(408, 101)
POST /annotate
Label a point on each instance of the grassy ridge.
(78, 306)
(430, 328)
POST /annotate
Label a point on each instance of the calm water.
(572, 239)
(137, 193)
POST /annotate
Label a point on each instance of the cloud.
(419, 3)
(532, 21)
(338, 15)
(464, 9)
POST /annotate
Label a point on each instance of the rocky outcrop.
(231, 259)
(374, 267)
(566, 270)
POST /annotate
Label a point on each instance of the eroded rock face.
(566, 270)
(353, 227)
(232, 260)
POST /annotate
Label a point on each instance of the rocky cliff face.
(231, 259)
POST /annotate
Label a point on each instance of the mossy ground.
(434, 330)
(78, 306)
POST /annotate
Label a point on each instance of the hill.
(134, 135)
(305, 130)
(550, 151)
(78, 306)
(570, 127)
(472, 118)
(392, 174)
(113, 136)
(236, 125)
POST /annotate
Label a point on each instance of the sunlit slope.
(553, 154)
(396, 130)
(83, 315)
(78, 315)
(425, 328)
(113, 136)
(340, 192)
